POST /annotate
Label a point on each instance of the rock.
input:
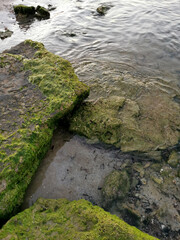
(102, 10)
(174, 159)
(157, 178)
(25, 14)
(7, 33)
(42, 13)
(116, 186)
(37, 88)
(24, 10)
(62, 219)
(129, 118)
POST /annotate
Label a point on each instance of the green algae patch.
(62, 219)
(38, 89)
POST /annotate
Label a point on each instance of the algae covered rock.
(28, 12)
(132, 114)
(42, 12)
(24, 10)
(116, 186)
(37, 89)
(62, 219)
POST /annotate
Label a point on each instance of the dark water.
(143, 34)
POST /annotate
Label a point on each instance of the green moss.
(24, 10)
(27, 141)
(61, 219)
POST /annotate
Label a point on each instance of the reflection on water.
(143, 34)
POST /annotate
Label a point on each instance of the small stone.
(102, 9)
(143, 181)
(156, 178)
(174, 159)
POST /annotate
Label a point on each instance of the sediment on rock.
(62, 219)
(37, 89)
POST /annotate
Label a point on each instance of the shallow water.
(142, 34)
(74, 168)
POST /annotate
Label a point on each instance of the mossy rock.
(62, 219)
(42, 12)
(116, 186)
(37, 89)
(129, 123)
(24, 10)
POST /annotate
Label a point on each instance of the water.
(142, 34)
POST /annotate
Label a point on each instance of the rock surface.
(37, 88)
(132, 113)
(61, 219)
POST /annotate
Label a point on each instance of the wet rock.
(37, 88)
(42, 12)
(102, 10)
(174, 159)
(24, 10)
(50, 7)
(116, 186)
(50, 219)
(129, 118)
(7, 33)
(25, 15)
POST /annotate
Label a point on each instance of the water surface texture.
(143, 34)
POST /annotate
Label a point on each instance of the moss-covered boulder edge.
(62, 219)
(38, 89)
(25, 11)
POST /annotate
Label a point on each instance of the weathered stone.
(37, 88)
(61, 219)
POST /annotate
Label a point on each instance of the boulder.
(37, 88)
(136, 116)
(24, 10)
(62, 219)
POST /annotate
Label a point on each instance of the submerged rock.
(37, 88)
(116, 186)
(135, 115)
(62, 219)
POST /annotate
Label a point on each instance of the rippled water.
(143, 34)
